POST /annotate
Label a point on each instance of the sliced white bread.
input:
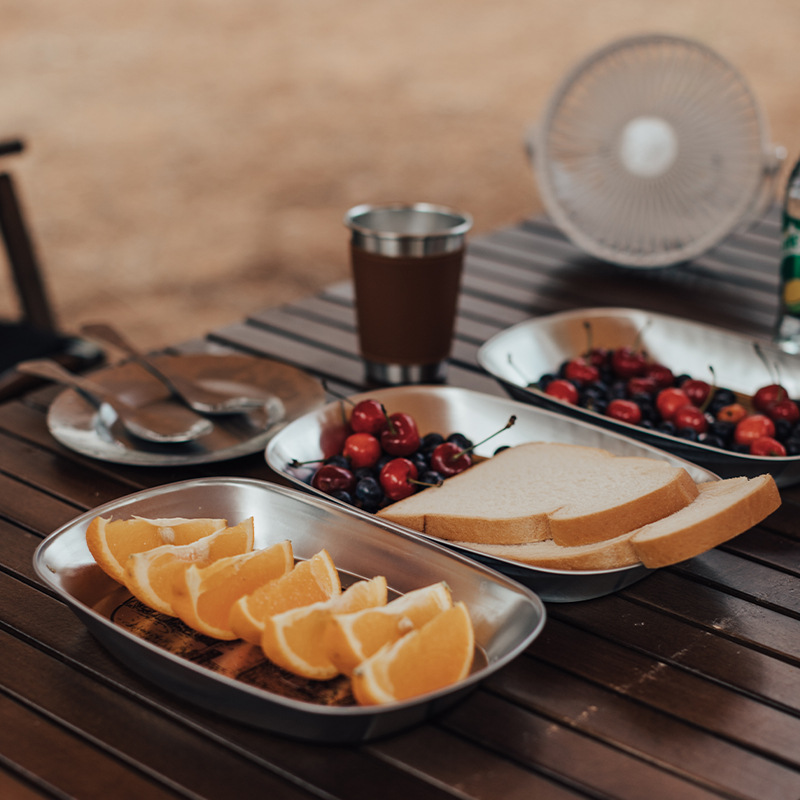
(571, 494)
(722, 510)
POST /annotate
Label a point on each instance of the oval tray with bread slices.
(584, 508)
(571, 510)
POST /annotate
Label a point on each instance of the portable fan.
(651, 151)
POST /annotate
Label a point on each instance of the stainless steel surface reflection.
(506, 616)
(523, 353)
(78, 425)
(448, 409)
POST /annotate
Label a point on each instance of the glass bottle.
(787, 333)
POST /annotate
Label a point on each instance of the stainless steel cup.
(407, 262)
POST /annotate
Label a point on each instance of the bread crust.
(721, 512)
(612, 554)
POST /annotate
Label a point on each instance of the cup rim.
(458, 229)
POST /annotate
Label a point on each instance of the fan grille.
(650, 151)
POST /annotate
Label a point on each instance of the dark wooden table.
(685, 685)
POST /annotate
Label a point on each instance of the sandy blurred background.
(190, 161)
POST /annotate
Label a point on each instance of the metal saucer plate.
(218, 675)
(520, 355)
(447, 409)
(76, 424)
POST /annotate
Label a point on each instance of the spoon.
(166, 423)
(200, 398)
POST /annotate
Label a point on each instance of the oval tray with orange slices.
(230, 677)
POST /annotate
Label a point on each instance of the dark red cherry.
(625, 411)
(669, 400)
(330, 478)
(641, 384)
(767, 446)
(627, 362)
(579, 370)
(450, 459)
(696, 390)
(784, 409)
(690, 417)
(767, 396)
(396, 478)
(661, 375)
(400, 437)
(562, 389)
(368, 416)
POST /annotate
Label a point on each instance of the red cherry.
(400, 437)
(627, 362)
(641, 384)
(363, 450)
(753, 427)
(562, 390)
(734, 412)
(598, 356)
(368, 416)
(669, 400)
(767, 396)
(784, 409)
(766, 446)
(624, 410)
(396, 478)
(332, 478)
(580, 371)
(449, 459)
(696, 390)
(690, 417)
(662, 375)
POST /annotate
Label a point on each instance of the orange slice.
(150, 575)
(111, 541)
(294, 639)
(350, 638)
(309, 582)
(202, 596)
(432, 657)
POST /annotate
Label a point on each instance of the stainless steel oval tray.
(449, 409)
(507, 617)
(520, 355)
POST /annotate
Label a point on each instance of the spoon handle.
(108, 335)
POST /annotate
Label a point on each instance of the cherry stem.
(295, 463)
(711, 388)
(392, 426)
(587, 326)
(439, 482)
(511, 420)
